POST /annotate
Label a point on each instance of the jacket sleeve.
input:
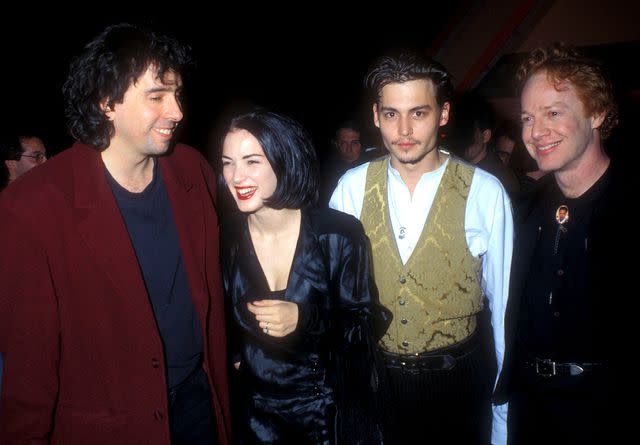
(29, 335)
(360, 322)
(360, 318)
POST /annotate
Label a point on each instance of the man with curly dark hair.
(565, 357)
(111, 315)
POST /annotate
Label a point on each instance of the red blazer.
(83, 355)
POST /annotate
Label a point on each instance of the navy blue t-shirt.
(152, 230)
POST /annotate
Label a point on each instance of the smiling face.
(247, 171)
(409, 118)
(556, 130)
(149, 113)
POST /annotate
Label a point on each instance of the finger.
(260, 310)
(270, 325)
(268, 318)
(268, 303)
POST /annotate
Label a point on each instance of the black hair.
(406, 66)
(291, 154)
(109, 64)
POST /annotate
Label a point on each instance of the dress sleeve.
(360, 318)
(360, 321)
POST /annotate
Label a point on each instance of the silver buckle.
(545, 368)
(575, 369)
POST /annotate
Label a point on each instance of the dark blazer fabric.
(83, 355)
(323, 373)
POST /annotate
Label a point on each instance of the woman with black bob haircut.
(305, 309)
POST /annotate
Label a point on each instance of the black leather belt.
(549, 368)
(442, 359)
(416, 362)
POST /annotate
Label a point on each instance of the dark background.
(307, 62)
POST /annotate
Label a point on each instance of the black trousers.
(192, 419)
(563, 410)
(440, 406)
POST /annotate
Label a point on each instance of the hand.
(236, 365)
(276, 318)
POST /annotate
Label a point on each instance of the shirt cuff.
(499, 428)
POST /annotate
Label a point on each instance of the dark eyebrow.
(422, 107)
(247, 156)
(419, 107)
(166, 89)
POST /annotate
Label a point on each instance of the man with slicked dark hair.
(441, 240)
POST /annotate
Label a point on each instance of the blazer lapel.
(189, 217)
(100, 224)
(307, 269)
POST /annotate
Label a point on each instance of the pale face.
(504, 149)
(349, 145)
(34, 153)
(409, 118)
(147, 117)
(555, 128)
(247, 172)
(476, 151)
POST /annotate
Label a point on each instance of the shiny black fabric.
(296, 385)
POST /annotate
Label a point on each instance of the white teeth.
(246, 191)
(548, 146)
(164, 131)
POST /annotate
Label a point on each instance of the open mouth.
(167, 132)
(245, 193)
(546, 149)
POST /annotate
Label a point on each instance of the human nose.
(538, 129)
(238, 174)
(404, 126)
(174, 110)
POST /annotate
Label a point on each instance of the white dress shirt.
(488, 227)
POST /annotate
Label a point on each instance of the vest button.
(402, 302)
(556, 314)
(560, 272)
(405, 343)
(403, 279)
(403, 321)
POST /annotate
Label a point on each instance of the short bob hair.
(290, 151)
(565, 64)
(110, 63)
(404, 67)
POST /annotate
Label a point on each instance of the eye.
(419, 113)
(389, 114)
(526, 119)
(253, 161)
(554, 113)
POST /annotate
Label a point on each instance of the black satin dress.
(294, 385)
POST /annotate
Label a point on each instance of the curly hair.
(110, 63)
(406, 66)
(590, 79)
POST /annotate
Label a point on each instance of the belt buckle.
(545, 368)
(575, 369)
